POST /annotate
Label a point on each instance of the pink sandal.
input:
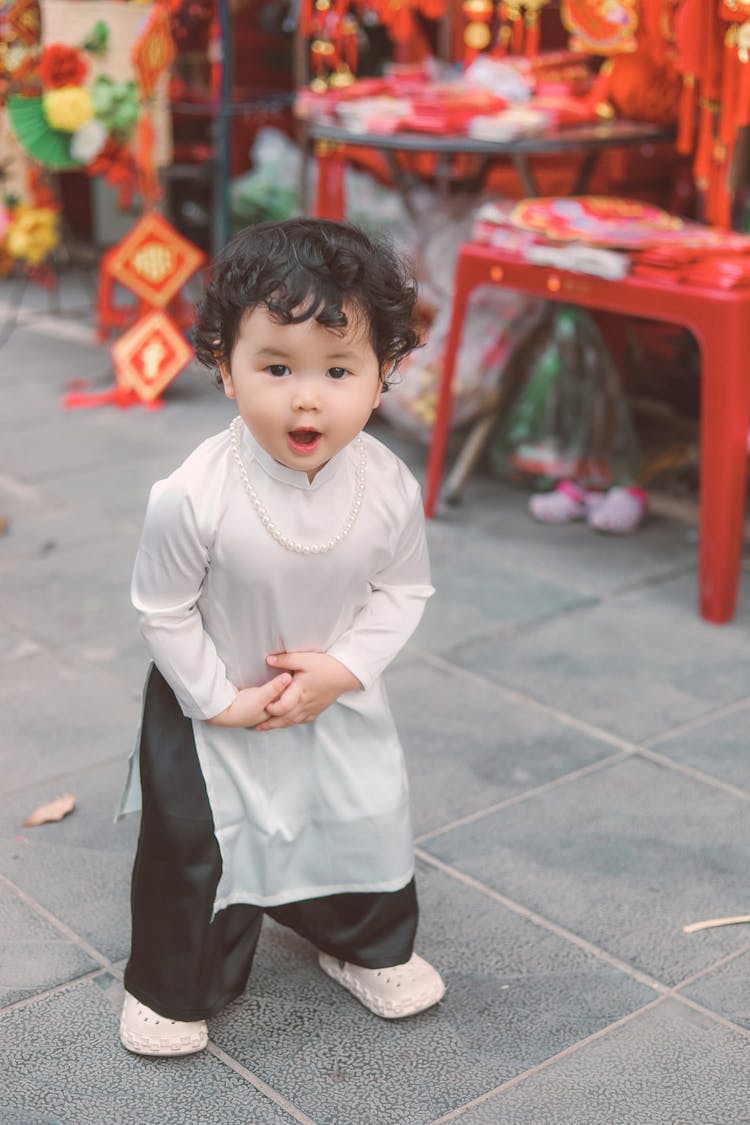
(566, 503)
(622, 511)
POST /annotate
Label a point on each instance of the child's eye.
(277, 369)
(337, 372)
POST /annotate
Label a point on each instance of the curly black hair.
(303, 268)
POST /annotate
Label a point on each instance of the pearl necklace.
(270, 526)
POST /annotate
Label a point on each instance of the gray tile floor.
(577, 743)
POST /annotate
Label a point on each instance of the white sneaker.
(400, 990)
(145, 1032)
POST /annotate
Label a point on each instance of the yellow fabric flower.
(33, 233)
(68, 108)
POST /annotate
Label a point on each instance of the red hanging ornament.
(477, 34)
(532, 30)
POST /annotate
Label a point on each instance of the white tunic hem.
(302, 893)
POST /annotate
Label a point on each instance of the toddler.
(281, 568)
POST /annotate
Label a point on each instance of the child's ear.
(226, 378)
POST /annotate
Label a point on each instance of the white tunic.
(312, 809)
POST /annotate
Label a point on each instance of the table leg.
(725, 417)
(403, 183)
(330, 198)
(305, 148)
(585, 172)
(525, 175)
(467, 277)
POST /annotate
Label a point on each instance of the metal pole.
(222, 129)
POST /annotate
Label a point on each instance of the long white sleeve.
(170, 569)
(394, 609)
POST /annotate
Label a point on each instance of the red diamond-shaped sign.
(150, 355)
(153, 260)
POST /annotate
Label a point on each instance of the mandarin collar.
(297, 478)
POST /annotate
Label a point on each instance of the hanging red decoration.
(477, 30)
(153, 51)
(154, 261)
(150, 355)
(601, 27)
(116, 164)
(152, 54)
(398, 15)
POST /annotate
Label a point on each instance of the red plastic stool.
(719, 319)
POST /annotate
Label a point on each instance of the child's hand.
(248, 708)
(318, 681)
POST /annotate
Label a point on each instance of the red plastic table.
(720, 321)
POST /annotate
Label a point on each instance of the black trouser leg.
(374, 930)
(181, 963)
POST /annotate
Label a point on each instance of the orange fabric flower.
(117, 164)
(62, 66)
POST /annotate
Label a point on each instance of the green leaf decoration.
(97, 40)
(103, 95)
(116, 104)
(47, 146)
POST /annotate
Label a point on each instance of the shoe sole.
(375, 1004)
(142, 1045)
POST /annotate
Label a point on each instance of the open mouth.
(304, 441)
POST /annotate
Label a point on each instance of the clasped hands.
(307, 683)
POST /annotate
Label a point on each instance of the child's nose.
(305, 395)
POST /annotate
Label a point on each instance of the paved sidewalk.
(577, 740)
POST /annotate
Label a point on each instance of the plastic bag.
(496, 324)
(271, 190)
(570, 418)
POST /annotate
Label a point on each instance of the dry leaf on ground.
(53, 810)
(709, 925)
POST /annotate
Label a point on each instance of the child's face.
(303, 391)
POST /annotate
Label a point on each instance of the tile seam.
(546, 924)
(724, 1021)
(692, 772)
(59, 925)
(639, 747)
(515, 696)
(674, 991)
(527, 794)
(679, 571)
(510, 629)
(59, 778)
(722, 712)
(38, 997)
(713, 967)
(566, 1052)
(574, 1048)
(258, 1083)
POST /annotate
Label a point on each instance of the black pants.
(184, 965)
